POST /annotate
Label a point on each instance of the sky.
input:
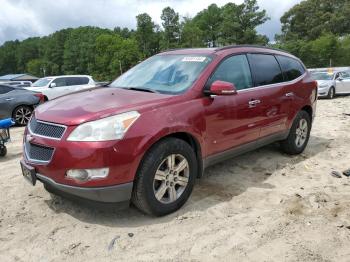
(20, 19)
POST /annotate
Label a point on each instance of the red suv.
(153, 131)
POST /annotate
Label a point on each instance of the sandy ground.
(262, 206)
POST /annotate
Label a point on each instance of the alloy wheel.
(22, 115)
(301, 133)
(171, 179)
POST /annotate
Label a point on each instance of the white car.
(55, 86)
(331, 84)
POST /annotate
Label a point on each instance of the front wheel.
(165, 178)
(299, 134)
(331, 93)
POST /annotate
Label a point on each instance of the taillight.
(41, 97)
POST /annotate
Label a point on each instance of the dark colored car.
(18, 103)
(157, 127)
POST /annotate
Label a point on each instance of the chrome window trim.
(273, 85)
(47, 123)
(35, 161)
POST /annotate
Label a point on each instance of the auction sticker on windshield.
(194, 59)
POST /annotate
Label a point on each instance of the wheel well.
(194, 144)
(308, 109)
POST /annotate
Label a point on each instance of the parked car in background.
(331, 84)
(56, 86)
(18, 83)
(18, 103)
(149, 135)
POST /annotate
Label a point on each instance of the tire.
(291, 145)
(3, 150)
(331, 93)
(22, 114)
(155, 195)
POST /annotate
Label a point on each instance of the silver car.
(18, 103)
(332, 84)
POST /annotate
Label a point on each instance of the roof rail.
(254, 46)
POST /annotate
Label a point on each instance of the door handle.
(9, 99)
(289, 94)
(254, 102)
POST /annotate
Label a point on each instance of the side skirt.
(233, 152)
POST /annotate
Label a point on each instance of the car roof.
(232, 48)
(67, 76)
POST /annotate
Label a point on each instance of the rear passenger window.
(5, 89)
(291, 68)
(235, 70)
(265, 69)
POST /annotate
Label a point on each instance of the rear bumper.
(104, 195)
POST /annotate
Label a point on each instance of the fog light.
(83, 175)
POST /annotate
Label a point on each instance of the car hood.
(90, 105)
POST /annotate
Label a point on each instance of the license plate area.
(29, 173)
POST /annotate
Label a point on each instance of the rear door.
(268, 80)
(231, 120)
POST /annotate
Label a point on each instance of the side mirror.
(222, 88)
(339, 79)
(53, 85)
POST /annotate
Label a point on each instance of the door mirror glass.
(222, 88)
(53, 85)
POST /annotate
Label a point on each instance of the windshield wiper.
(142, 89)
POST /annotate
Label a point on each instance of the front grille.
(45, 129)
(37, 153)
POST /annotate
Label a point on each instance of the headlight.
(106, 129)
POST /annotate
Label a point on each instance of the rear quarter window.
(265, 69)
(292, 69)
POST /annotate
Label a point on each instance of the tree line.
(317, 31)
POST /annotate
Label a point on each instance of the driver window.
(235, 70)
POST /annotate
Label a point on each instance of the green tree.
(113, 55)
(171, 27)
(240, 22)
(209, 22)
(147, 35)
(310, 19)
(191, 35)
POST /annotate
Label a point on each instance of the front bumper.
(110, 194)
(323, 92)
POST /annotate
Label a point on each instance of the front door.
(343, 83)
(232, 120)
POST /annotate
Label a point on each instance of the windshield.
(169, 74)
(42, 82)
(322, 76)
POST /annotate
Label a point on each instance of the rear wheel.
(331, 93)
(22, 114)
(165, 177)
(299, 134)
